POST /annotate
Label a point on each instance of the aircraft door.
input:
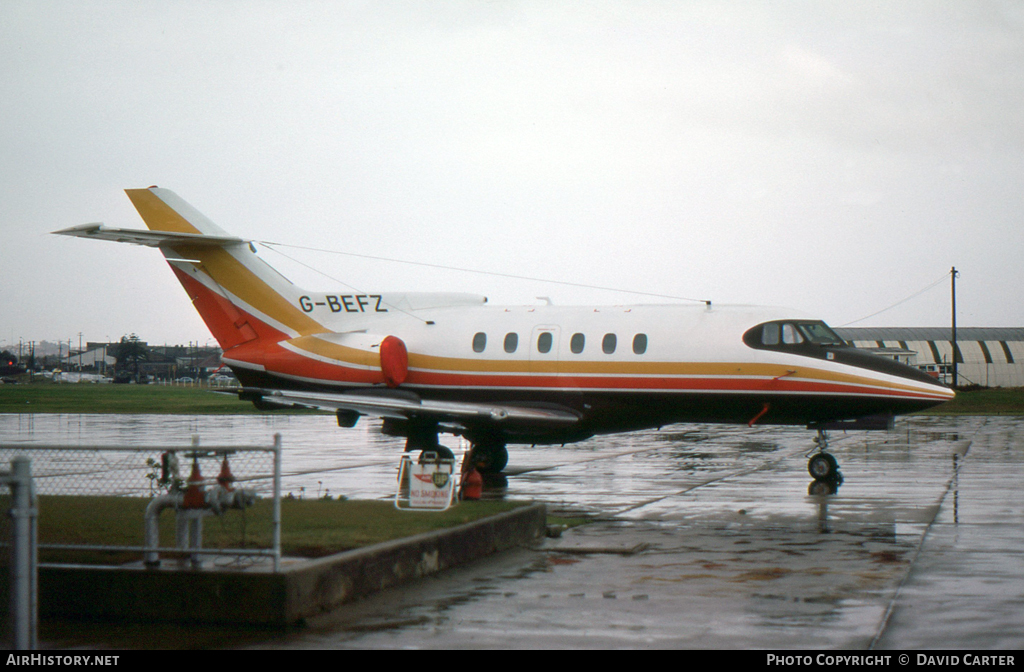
(544, 345)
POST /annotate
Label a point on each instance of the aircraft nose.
(938, 387)
(918, 391)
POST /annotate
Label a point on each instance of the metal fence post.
(24, 587)
(277, 503)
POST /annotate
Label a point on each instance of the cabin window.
(511, 342)
(639, 344)
(608, 343)
(544, 342)
(479, 342)
(577, 342)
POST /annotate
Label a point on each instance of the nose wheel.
(822, 466)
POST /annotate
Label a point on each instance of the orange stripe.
(660, 384)
(459, 380)
(233, 276)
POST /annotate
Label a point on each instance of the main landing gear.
(488, 455)
(823, 466)
(423, 438)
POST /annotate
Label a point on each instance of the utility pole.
(952, 276)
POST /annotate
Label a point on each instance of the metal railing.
(81, 489)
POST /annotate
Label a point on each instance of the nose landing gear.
(823, 465)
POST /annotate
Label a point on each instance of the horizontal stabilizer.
(149, 238)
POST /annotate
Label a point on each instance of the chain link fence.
(203, 505)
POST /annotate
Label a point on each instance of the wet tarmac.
(700, 537)
(710, 540)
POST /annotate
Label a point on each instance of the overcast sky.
(830, 157)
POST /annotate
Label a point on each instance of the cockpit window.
(790, 333)
(819, 332)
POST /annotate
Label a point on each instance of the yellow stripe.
(225, 269)
(232, 275)
(340, 353)
(716, 369)
(157, 215)
(592, 368)
(453, 365)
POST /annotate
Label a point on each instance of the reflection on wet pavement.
(701, 536)
(729, 551)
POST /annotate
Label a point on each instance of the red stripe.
(653, 384)
(286, 362)
(228, 324)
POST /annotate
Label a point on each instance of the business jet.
(431, 363)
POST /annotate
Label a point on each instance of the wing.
(400, 404)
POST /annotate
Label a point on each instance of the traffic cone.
(472, 485)
(194, 498)
(226, 478)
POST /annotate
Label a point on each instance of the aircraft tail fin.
(163, 210)
(241, 298)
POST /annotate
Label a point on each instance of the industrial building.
(990, 357)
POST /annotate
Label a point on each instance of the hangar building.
(991, 357)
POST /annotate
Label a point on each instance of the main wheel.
(489, 457)
(822, 466)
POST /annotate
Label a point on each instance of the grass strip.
(983, 401)
(309, 527)
(109, 398)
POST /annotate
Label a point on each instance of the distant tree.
(130, 353)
